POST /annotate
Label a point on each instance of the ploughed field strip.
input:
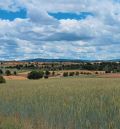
(64, 103)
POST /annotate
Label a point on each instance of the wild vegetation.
(7, 72)
(35, 75)
(64, 103)
(2, 80)
(96, 66)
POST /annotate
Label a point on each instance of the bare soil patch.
(111, 75)
(15, 77)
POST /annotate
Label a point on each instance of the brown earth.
(23, 76)
(110, 75)
(15, 77)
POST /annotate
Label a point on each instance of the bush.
(108, 71)
(77, 73)
(65, 74)
(35, 75)
(53, 73)
(71, 74)
(1, 72)
(46, 76)
(8, 72)
(47, 72)
(81, 73)
(96, 73)
(88, 73)
(2, 80)
(15, 73)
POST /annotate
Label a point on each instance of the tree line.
(101, 66)
(7, 72)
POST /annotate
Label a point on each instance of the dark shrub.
(8, 72)
(47, 72)
(88, 73)
(107, 71)
(81, 73)
(71, 74)
(96, 73)
(1, 72)
(35, 75)
(2, 80)
(15, 73)
(53, 73)
(77, 73)
(65, 74)
(46, 76)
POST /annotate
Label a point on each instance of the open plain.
(64, 103)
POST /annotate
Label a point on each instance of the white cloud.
(41, 35)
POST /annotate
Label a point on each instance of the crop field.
(64, 103)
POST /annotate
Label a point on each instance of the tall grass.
(67, 103)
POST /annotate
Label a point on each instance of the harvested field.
(111, 75)
(15, 78)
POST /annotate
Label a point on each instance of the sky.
(60, 29)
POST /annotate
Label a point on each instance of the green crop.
(66, 103)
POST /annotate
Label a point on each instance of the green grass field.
(66, 103)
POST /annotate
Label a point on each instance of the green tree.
(65, 74)
(71, 74)
(53, 73)
(77, 73)
(35, 75)
(8, 72)
(47, 72)
(1, 72)
(15, 73)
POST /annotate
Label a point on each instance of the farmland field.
(64, 103)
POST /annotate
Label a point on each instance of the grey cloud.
(40, 35)
(68, 37)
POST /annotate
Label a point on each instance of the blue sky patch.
(8, 15)
(66, 15)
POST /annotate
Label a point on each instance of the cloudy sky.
(71, 29)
